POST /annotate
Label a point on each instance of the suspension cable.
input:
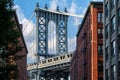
(63, 13)
(29, 21)
(30, 33)
(32, 47)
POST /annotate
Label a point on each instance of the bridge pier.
(63, 76)
(66, 76)
(53, 68)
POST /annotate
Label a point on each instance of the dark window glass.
(119, 70)
(112, 4)
(119, 43)
(113, 72)
(100, 49)
(100, 33)
(100, 17)
(119, 16)
(106, 53)
(100, 66)
(113, 50)
(106, 75)
(100, 78)
(106, 9)
(113, 24)
(106, 31)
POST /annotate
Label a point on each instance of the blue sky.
(25, 9)
(28, 6)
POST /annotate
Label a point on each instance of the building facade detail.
(87, 62)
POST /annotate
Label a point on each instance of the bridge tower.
(43, 17)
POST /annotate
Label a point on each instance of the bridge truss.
(51, 68)
(43, 18)
(54, 66)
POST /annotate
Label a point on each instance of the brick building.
(87, 61)
(111, 39)
(21, 63)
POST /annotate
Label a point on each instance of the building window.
(100, 66)
(119, 43)
(100, 17)
(119, 16)
(83, 78)
(100, 78)
(106, 9)
(119, 69)
(113, 50)
(113, 24)
(113, 72)
(100, 33)
(106, 75)
(100, 49)
(106, 53)
(106, 31)
(112, 4)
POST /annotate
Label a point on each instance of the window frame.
(112, 4)
(113, 72)
(113, 50)
(100, 49)
(106, 9)
(106, 31)
(113, 26)
(106, 74)
(106, 53)
(118, 16)
(100, 33)
(100, 17)
(100, 66)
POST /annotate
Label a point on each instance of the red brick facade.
(84, 63)
(22, 62)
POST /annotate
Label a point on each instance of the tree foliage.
(9, 43)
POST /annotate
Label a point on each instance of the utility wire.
(32, 46)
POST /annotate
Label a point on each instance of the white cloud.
(29, 37)
(31, 55)
(71, 44)
(76, 21)
(51, 37)
(61, 3)
(73, 8)
(97, 0)
(28, 26)
(53, 4)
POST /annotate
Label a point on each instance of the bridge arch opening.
(51, 37)
(33, 76)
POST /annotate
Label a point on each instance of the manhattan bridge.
(56, 62)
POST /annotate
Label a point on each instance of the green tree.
(9, 43)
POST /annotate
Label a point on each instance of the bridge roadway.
(56, 68)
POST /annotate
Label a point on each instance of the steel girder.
(42, 19)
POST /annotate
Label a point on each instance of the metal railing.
(61, 59)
